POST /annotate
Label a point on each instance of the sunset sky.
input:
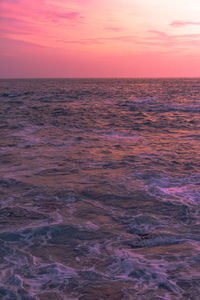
(99, 38)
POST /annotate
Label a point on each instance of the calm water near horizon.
(100, 189)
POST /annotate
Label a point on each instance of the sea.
(100, 189)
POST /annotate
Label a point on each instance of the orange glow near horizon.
(92, 38)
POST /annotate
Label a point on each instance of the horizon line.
(106, 77)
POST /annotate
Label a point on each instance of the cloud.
(153, 39)
(184, 23)
(8, 42)
(36, 21)
(103, 40)
(113, 28)
(163, 35)
(67, 15)
(158, 33)
(13, 25)
(11, 1)
(172, 41)
(38, 10)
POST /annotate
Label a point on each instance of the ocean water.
(100, 189)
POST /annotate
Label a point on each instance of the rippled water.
(100, 189)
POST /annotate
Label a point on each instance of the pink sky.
(99, 38)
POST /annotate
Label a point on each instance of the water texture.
(100, 189)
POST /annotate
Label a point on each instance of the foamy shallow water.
(100, 189)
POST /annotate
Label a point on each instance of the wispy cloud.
(56, 16)
(38, 10)
(73, 15)
(164, 35)
(113, 28)
(152, 40)
(35, 21)
(184, 23)
(104, 40)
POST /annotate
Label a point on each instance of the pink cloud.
(37, 10)
(103, 40)
(164, 36)
(113, 28)
(67, 15)
(160, 34)
(183, 23)
(34, 21)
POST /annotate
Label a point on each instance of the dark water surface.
(100, 189)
